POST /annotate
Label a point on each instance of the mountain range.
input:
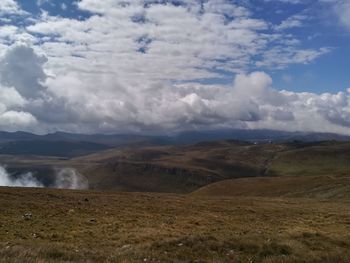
(70, 145)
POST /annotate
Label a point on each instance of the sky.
(164, 66)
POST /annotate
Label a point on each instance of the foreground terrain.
(86, 226)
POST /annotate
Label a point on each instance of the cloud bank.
(100, 104)
(146, 66)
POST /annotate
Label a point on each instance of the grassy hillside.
(325, 187)
(176, 169)
(72, 226)
(327, 158)
(183, 169)
(187, 168)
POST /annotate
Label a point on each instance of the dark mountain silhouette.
(70, 144)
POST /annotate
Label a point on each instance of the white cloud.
(292, 22)
(133, 66)
(7, 32)
(183, 42)
(286, 1)
(280, 56)
(10, 97)
(41, 2)
(342, 8)
(17, 119)
(10, 7)
(22, 69)
(74, 102)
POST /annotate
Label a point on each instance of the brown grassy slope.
(176, 169)
(183, 169)
(327, 158)
(187, 168)
(289, 186)
(159, 169)
(72, 226)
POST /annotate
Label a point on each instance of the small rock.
(27, 216)
(126, 247)
(180, 244)
(86, 200)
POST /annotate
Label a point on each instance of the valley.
(186, 168)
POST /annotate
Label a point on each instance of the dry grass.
(327, 187)
(73, 226)
(328, 158)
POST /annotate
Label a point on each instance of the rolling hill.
(178, 169)
(324, 187)
(186, 168)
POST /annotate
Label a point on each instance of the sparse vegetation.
(81, 226)
(328, 158)
(326, 187)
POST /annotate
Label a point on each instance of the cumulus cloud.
(17, 120)
(22, 69)
(10, 7)
(20, 76)
(74, 102)
(342, 9)
(140, 65)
